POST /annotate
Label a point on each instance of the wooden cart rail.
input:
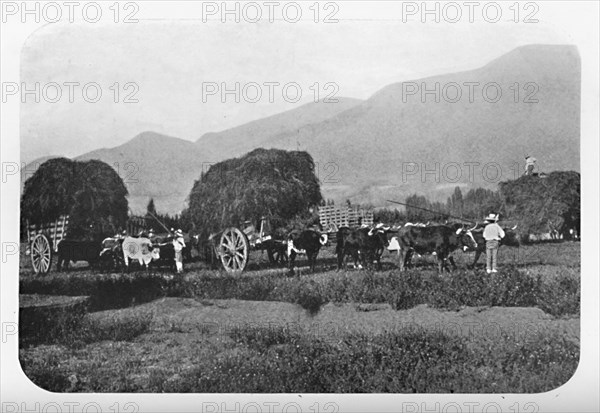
(43, 242)
(344, 216)
(56, 230)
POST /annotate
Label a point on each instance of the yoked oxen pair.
(364, 245)
(140, 249)
(74, 250)
(439, 239)
(307, 242)
(111, 256)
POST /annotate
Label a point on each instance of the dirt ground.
(336, 320)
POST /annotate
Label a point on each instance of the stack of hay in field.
(540, 204)
(277, 184)
(90, 192)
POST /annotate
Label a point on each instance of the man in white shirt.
(178, 245)
(492, 234)
(529, 165)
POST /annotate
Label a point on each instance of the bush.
(402, 290)
(73, 328)
(106, 291)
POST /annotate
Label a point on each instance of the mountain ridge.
(365, 149)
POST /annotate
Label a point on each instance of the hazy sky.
(170, 60)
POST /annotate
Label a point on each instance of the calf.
(306, 241)
(71, 250)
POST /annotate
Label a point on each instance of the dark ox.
(364, 245)
(166, 256)
(73, 251)
(439, 239)
(308, 242)
(511, 239)
(111, 256)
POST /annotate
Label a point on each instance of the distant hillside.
(154, 165)
(366, 149)
(372, 141)
(260, 133)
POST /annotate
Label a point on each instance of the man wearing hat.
(529, 164)
(178, 245)
(492, 234)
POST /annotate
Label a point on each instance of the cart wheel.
(233, 250)
(41, 254)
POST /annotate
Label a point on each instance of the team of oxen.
(118, 253)
(364, 245)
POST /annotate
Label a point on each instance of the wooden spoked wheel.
(41, 254)
(233, 250)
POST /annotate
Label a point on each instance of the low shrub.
(559, 295)
(106, 291)
(73, 328)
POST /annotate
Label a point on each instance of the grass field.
(347, 331)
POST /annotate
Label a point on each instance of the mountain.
(242, 139)
(395, 143)
(157, 166)
(384, 147)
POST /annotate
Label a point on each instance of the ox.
(71, 250)
(140, 249)
(167, 256)
(307, 242)
(111, 256)
(439, 239)
(364, 245)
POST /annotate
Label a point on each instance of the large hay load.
(276, 184)
(65, 198)
(545, 204)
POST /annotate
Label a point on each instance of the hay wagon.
(232, 246)
(42, 242)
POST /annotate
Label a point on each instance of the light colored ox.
(140, 249)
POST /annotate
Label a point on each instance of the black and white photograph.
(318, 206)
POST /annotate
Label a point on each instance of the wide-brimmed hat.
(491, 218)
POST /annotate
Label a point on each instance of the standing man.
(529, 165)
(492, 234)
(178, 245)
